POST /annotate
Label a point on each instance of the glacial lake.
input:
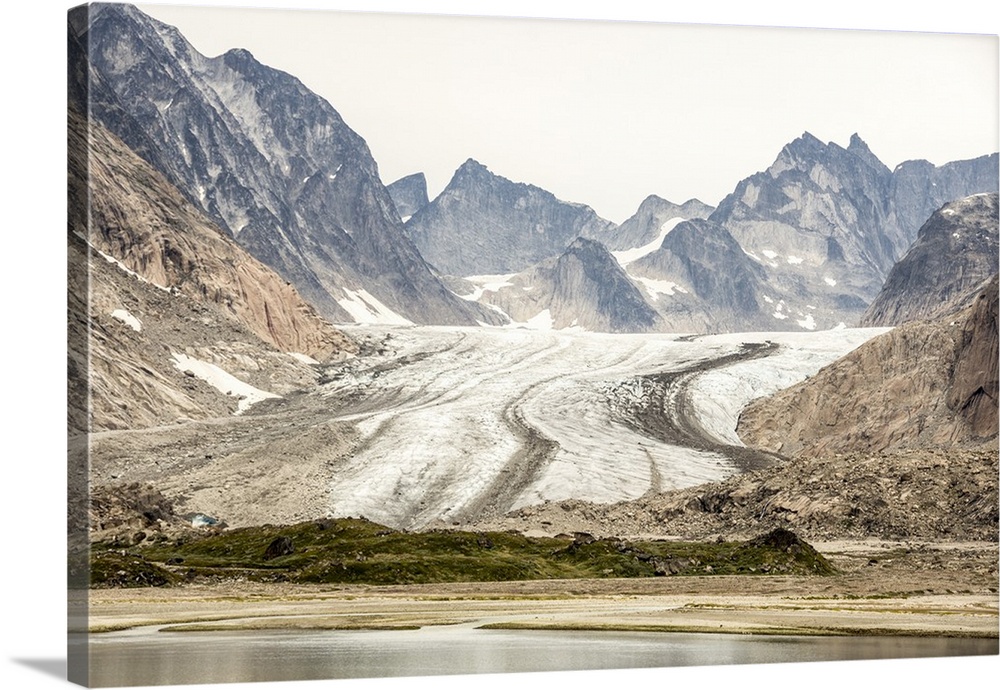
(148, 657)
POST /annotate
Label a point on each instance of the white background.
(32, 378)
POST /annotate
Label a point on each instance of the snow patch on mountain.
(222, 381)
(655, 288)
(627, 256)
(542, 321)
(365, 308)
(487, 283)
(112, 260)
(126, 318)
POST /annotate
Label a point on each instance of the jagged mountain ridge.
(165, 280)
(955, 253)
(482, 223)
(830, 222)
(272, 163)
(236, 135)
(810, 240)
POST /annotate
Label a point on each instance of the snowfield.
(459, 424)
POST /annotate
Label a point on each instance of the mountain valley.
(266, 336)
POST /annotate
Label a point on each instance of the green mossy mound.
(361, 552)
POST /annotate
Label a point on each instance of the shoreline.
(904, 597)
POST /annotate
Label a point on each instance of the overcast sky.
(606, 113)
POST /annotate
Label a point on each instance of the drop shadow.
(50, 667)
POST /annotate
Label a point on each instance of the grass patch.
(859, 597)
(357, 551)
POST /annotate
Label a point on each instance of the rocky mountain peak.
(651, 220)
(409, 194)
(978, 210)
(165, 285)
(471, 168)
(239, 59)
(583, 246)
(859, 148)
(584, 287)
(650, 203)
(483, 223)
(829, 222)
(700, 279)
(805, 148)
(692, 208)
(807, 141)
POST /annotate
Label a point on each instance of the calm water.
(152, 658)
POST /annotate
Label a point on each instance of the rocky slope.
(923, 384)
(921, 494)
(483, 223)
(584, 287)
(954, 255)
(270, 162)
(830, 222)
(163, 280)
(409, 194)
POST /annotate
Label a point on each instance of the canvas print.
(410, 345)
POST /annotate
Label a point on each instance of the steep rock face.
(955, 253)
(919, 188)
(830, 222)
(142, 221)
(269, 161)
(700, 279)
(409, 194)
(485, 224)
(923, 384)
(582, 288)
(163, 280)
(972, 394)
(647, 223)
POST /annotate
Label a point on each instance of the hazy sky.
(606, 113)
